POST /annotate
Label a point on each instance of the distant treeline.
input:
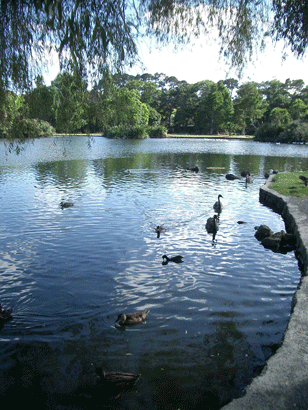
(126, 106)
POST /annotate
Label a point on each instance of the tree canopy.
(92, 35)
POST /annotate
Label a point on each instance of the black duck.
(176, 259)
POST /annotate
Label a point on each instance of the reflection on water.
(214, 319)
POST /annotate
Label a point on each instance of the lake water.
(214, 319)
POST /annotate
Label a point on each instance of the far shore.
(219, 136)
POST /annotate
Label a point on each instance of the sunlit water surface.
(214, 319)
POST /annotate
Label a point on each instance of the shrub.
(127, 132)
(157, 132)
(268, 133)
(297, 131)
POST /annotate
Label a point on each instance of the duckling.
(132, 318)
(66, 204)
(218, 205)
(212, 224)
(176, 259)
(5, 314)
(159, 229)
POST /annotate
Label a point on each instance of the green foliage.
(298, 109)
(280, 117)
(268, 133)
(297, 132)
(127, 132)
(157, 131)
(248, 106)
(69, 103)
(93, 35)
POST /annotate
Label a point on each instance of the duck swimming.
(132, 318)
(66, 204)
(218, 205)
(5, 314)
(118, 378)
(176, 259)
(116, 383)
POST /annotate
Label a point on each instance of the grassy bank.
(289, 184)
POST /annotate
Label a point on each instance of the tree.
(40, 101)
(298, 109)
(248, 106)
(215, 108)
(280, 117)
(129, 110)
(96, 34)
(69, 104)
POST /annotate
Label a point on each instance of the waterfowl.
(212, 224)
(5, 314)
(194, 169)
(117, 378)
(218, 205)
(176, 259)
(132, 318)
(249, 179)
(231, 177)
(66, 204)
(116, 383)
(159, 229)
(304, 179)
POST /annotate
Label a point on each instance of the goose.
(304, 179)
(176, 259)
(132, 318)
(212, 224)
(159, 229)
(218, 205)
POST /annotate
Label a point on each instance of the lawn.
(289, 184)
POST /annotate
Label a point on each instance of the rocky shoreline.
(283, 383)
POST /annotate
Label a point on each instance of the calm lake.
(67, 273)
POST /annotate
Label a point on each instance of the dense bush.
(126, 132)
(297, 131)
(23, 128)
(268, 133)
(157, 132)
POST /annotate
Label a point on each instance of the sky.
(201, 62)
